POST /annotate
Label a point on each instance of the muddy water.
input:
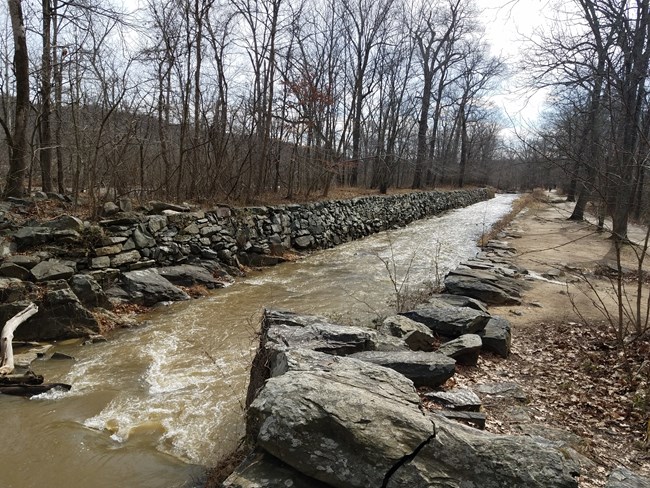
(155, 404)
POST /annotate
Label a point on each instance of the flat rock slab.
(464, 349)
(51, 270)
(153, 287)
(423, 368)
(450, 321)
(624, 478)
(488, 291)
(445, 299)
(457, 399)
(287, 329)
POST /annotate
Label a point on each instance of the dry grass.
(528, 200)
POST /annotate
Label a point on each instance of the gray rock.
(13, 270)
(287, 329)
(624, 478)
(153, 287)
(261, 470)
(125, 204)
(122, 219)
(51, 270)
(13, 289)
(157, 223)
(460, 456)
(66, 222)
(450, 321)
(303, 242)
(384, 342)
(119, 294)
(60, 316)
(108, 250)
(464, 349)
(101, 262)
(110, 208)
(143, 238)
(423, 368)
(417, 336)
(338, 420)
(497, 336)
(457, 399)
(124, 258)
(27, 237)
(88, 291)
(25, 260)
(190, 275)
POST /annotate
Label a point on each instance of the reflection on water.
(153, 404)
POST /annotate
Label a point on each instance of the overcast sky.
(507, 24)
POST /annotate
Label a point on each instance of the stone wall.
(254, 235)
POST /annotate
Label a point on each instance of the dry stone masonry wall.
(255, 234)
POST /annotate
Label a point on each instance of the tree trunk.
(45, 154)
(7, 335)
(15, 186)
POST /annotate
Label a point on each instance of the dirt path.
(574, 390)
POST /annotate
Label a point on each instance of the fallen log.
(31, 390)
(7, 335)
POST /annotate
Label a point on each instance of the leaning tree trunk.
(7, 335)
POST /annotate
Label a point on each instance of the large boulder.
(351, 424)
(341, 421)
(60, 316)
(190, 275)
(460, 456)
(288, 329)
(153, 287)
(423, 368)
(450, 321)
(624, 478)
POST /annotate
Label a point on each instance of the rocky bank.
(342, 406)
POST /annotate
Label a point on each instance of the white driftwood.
(7, 335)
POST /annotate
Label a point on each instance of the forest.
(237, 99)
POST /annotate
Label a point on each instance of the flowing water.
(153, 405)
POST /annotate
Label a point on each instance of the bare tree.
(17, 137)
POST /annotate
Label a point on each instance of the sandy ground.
(564, 355)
